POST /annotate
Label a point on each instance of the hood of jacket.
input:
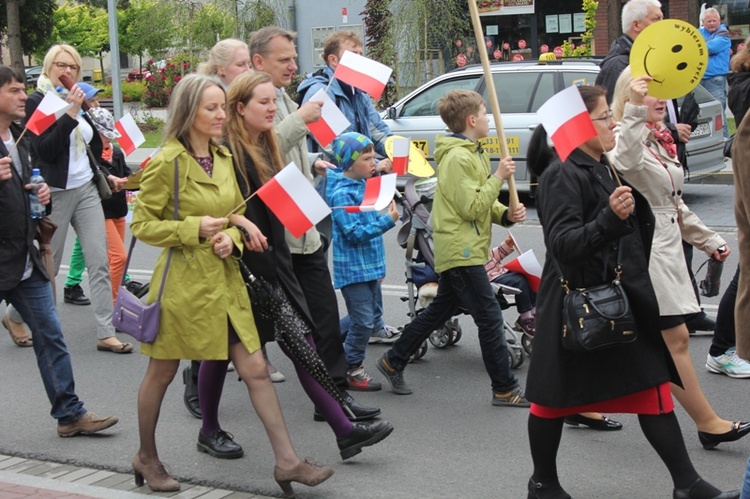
(446, 143)
(619, 48)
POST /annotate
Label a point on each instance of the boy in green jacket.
(464, 209)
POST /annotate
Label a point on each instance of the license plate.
(492, 146)
(701, 130)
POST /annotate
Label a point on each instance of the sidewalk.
(21, 478)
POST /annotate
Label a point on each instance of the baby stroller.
(415, 235)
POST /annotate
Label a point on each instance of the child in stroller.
(415, 235)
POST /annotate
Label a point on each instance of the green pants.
(77, 266)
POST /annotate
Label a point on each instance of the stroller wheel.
(455, 332)
(516, 355)
(526, 342)
(419, 353)
(441, 338)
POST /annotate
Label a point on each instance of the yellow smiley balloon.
(674, 54)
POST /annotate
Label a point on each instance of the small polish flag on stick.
(49, 110)
(294, 200)
(363, 73)
(567, 121)
(150, 156)
(400, 160)
(528, 265)
(130, 135)
(379, 192)
(332, 121)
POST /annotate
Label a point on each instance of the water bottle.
(38, 210)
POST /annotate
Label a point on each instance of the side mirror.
(392, 113)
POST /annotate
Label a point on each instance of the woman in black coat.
(249, 130)
(586, 217)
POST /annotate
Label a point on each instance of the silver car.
(522, 87)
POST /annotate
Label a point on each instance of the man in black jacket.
(24, 281)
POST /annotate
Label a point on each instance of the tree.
(14, 34)
(211, 24)
(146, 26)
(379, 38)
(36, 21)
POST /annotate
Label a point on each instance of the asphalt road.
(448, 440)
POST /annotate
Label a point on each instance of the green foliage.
(211, 24)
(160, 82)
(379, 38)
(36, 23)
(146, 26)
(253, 16)
(150, 123)
(584, 48)
(85, 28)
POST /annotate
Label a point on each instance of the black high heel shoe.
(686, 493)
(711, 440)
(553, 490)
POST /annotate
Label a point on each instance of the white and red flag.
(567, 121)
(130, 135)
(49, 110)
(150, 156)
(528, 265)
(379, 191)
(294, 200)
(401, 146)
(332, 121)
(363, 73)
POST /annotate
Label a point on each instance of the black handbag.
(597, 317)
(100, 178)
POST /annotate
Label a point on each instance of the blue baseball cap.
(347, 147)
(88, 90)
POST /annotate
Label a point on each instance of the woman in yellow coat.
(205, 309)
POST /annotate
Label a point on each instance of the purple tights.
(211, 385)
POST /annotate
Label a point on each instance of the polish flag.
(528, 265)
(294, 200)
(332, 121)
(567, 121)
(49, 110)
(379, 192)
(150, 156)
(130, 135)
(400, 160)
(363, 73)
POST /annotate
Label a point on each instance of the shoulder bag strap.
(618, 267)
(171, 250)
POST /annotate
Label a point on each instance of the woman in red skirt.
(590, 222)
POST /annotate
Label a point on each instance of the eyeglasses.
(64, 66)
(608, 120)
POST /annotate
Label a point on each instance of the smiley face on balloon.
(674, 54)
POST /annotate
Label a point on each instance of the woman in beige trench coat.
(205, 309)
(646, 156)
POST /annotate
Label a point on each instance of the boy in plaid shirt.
(358, 251)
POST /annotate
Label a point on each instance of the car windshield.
(425, 104)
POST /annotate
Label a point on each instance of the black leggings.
(724, 335)
(662, 432)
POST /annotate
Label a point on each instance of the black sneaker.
(394, 377)
(700, 322)
(359, 411)
(220, 444)
(363, 435)
(74, 295)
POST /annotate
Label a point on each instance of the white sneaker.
(388, 334)
(728, 363)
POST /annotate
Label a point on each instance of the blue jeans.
(717, 86)
(746, 484)
(364, 303)
(33, 299)
(469, 288)
(524, 301)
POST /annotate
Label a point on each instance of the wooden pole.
(490, 84)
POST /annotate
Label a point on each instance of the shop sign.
(497, 54)
(461, 60)
(505, 7)
(544, 48)
(551, 24)
(521, 44)
(517, 58)
(557, 51)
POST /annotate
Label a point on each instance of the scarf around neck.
(45, 85)
(664, 137)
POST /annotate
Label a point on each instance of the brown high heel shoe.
(156, 475)
(305, 473)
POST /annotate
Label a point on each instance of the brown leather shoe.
(89, 423)
(17, 332)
